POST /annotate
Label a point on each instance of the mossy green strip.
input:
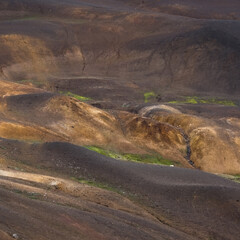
(148, 96)
(143, 158)
(78, 97)
(98, 185)
(198, 100)
(234, 177)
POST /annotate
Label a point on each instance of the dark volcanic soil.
(141, 65)
(123, 50)
(188, 200)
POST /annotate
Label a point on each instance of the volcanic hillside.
(121, 47)
(97, 96)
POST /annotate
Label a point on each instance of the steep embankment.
(214, 143)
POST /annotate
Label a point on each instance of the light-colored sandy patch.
(167, 108)
(72, 188)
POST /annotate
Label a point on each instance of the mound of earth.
(45, 116)
(214, 143)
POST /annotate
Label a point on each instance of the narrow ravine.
(188, 147)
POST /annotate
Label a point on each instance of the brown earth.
(214, 143)
(113, 52)
(190, 200)
(118, 53)
(54, 117)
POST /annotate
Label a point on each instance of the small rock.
(15, 236)
(55, 184)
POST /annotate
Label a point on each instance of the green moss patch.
(94, 183)
(235, 178)
(143, 158)
(199, 100)
(148, 96)
(78, 97)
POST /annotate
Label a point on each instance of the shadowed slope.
(185, 199)
(142, 49)
(67, 204)
(50, 220)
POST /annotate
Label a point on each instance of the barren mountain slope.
(122, 52)
(190, 200)
(145, 83)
